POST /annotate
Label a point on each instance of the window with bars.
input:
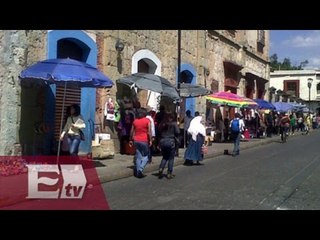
(292, 87)
(261, 37)
(261, 41)
(318, 89)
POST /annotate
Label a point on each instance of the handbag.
(82, 135)
(204, 150)
(177, 141)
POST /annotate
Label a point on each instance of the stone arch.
(191, 75)
(150, 58)
(147, 57)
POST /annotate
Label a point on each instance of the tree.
(303, 64)
(274, 62)
(285, 65)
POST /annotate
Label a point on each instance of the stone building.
(221, 60)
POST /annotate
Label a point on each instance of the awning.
(233, 65)
(193, 90)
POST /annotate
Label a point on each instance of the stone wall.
(18, 49)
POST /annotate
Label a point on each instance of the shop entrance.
(146, 65)
(66, 49)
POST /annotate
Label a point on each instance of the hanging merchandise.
(109, 110)
(117, 115)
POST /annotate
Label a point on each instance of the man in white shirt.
(153, 133)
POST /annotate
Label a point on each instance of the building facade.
(292, 85)
(220, 60)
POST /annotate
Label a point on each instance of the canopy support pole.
(61, 120)
(178, 86)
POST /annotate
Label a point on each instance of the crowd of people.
(149, 133)
(159, 133)
(162, 133)
(269, 123)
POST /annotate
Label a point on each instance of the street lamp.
(309, 86)
(272, 91)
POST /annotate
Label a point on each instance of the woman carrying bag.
(73, 128)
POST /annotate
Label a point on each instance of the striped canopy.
(231, 99)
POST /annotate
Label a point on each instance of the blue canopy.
(283, 106)
(263, 104)
(62, 70)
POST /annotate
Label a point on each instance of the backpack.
(235, 126)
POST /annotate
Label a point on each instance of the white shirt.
(153, 131)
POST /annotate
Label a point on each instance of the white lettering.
(34, 181)
(74, 181)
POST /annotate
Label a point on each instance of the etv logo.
(73, 177)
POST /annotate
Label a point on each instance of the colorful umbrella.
(231, 99)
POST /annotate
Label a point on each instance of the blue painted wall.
(88, 95)
(190, 102)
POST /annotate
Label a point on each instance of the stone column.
(242, 84)
(13, 52)
(255, 90)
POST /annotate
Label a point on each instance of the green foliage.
(285, 64)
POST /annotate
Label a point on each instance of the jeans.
(74, 142)
(142, 155)
(236, 142)
(168, 150)
(283, 130)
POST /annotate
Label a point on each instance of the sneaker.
(188, 163)
(141, 175)
(199, 163)
(170, 176)
(160, 174)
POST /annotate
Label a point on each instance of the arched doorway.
(187, 75)
(146, 61)
(67, 48)
(78, 45)
(147, 98)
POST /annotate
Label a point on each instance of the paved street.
(274, 176)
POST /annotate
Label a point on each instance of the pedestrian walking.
(194, 149)
(284, 127)
(153, 134)
(169, 131)
(141, 137)
(236, 127)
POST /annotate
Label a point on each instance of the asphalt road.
(277, 176)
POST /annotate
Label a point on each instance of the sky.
(298, 45)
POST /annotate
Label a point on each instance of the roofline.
(294, 72)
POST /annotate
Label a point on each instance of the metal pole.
(178, 85)
(61, 120)
(179, 58)
(309, 97)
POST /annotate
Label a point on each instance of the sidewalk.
(121, 166)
